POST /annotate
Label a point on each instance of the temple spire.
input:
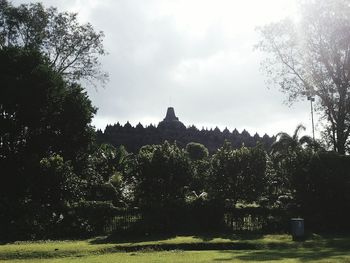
(171, 121)
(170, 115)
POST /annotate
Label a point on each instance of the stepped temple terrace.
(172, 129)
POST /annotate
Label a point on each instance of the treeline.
(133, 138)
(177, 189)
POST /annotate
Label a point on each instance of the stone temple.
(173, 130)
(171, 122)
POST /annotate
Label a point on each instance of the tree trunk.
(340, 143)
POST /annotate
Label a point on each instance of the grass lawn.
(268, 248)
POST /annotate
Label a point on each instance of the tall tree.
(72, 49)
(44, 130)
(311, 57)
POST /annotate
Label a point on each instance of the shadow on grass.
(130, 238)
(204, 237)
(207, 237)
(340, 242)
(224, 242)
(200, 242)
(303, 255)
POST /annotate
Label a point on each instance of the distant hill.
(171, 129)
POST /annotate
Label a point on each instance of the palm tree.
(287, 144)
(288, 154)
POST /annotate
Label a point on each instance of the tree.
(322, 190)
(162, 175)
(105, 182)
(200, 164)
(196, 151)
(38, 106)
(50, 194)
(311, 57)
(162, 172)
(71, 49)
(41, 116)
(289, 156)
(287, 144)
(237, 175)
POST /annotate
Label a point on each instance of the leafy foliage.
(162, 172)
(322, 190)
(238, 174)
(71, 49)
(44, 123)
(196, 151)
(286, 143)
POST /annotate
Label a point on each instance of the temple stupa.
(170, 121)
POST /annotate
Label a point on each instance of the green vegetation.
(276, 248)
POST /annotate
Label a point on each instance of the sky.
(194, 55)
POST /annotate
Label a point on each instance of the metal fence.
(234, 220)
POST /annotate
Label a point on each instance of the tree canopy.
(71, 48)
(45, 129)
(287, 144)
(38, 106)
(237, 174)
(311, 57)
(196, 151)
(162, 172)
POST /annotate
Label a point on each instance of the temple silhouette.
(170, 121)
(172, 129)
